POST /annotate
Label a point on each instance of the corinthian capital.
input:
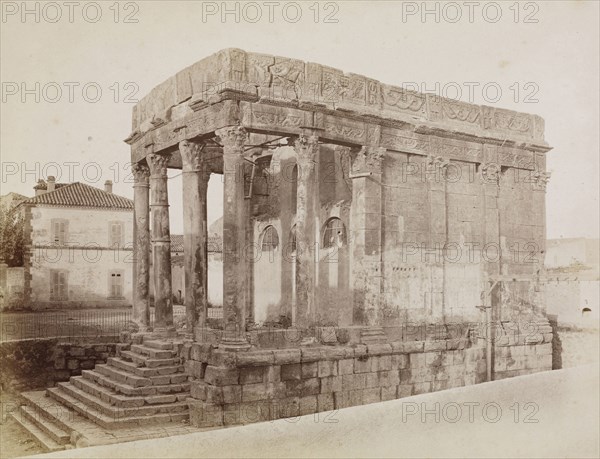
(157, 164)
(306, 148)
(490, 173)
(191, 155)
(140, 172)
(369, 159)
(232, 136)
(541, 179)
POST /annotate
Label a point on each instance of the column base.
(164, 332)
(234, 344)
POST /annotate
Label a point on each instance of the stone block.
(219, 376)
(195, 368)
(388, 393)
(439, 385)
(252, 375)
(360, 350)
(291, 372)
(72, 364)
(354, 382)
(214, 394)
(346, 366)
(362, 364)
(198, 390)
(224, 359)
(178, 378)
(310, 369)
(205, 415)
(399, 361)
(251, 412)
(372, 380)
(341, 400)
(303, 387)
(405, 390)
(287, 408)
(543, 349)
(379, 349)
(232, 394)
(327, 368)
(405, 376)
(325, 402)
(311, 354)
(60, 363)
(337, 352)
(408, 347)
(263, 391)
(87, 364)
(287, 356)
(439, 345)
(77, 351)
(308, 405)
(331, 384)
(381, 363)
(372, 395)
(255, 358)
(356, 397)
(273, 373)
(421, 388)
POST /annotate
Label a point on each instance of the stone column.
(141, 245)
(161, 243)
(307, 151)
(195, 234)
(366, 238)
(235, 220)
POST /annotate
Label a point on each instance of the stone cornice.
(241, 77)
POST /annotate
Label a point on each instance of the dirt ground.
(14, 441)
(580, 347)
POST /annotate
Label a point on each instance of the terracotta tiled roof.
(81, 195)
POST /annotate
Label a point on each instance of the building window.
(270, 239)
(334, 234)
(115, 285)
(59, 231)
(116, 234)
(58, 285)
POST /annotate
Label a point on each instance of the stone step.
(61, 416)
(163, 404)
(144, 361)
(37, 417)
(143, 371)
(138, 381)
(153, 353)
(158, 344)
(121, 401)
(45, 440)
(126, 389)
(108, 422)
(106, 394)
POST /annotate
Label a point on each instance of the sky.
(71, 74)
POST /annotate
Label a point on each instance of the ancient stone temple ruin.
(377, 243)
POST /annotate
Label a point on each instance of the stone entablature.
(285, 93)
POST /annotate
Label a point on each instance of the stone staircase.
(139, 394)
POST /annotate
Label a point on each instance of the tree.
(12, 236)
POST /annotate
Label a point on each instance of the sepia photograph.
(300, 229)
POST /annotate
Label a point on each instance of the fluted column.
(161, 242)
(235, 219)
(141, 244)
(307, 150)
(195, 233)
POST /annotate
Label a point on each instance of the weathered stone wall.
(39, 363)
(264, 385)
(87, 257)
(71, 359)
